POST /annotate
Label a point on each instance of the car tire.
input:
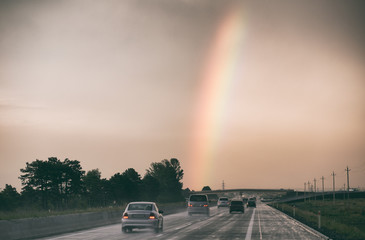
(161, 229)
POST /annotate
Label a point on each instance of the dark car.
(236, 206)
(251, 202)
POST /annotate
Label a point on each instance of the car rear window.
(198, 198)
(236, 203)
(139, 206)
(223, 199)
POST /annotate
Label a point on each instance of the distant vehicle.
(236, 206)
(245, 200)
(223, 202)
(198, 203)
(251, 202)
(142, 215)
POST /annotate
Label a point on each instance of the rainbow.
(217, 79)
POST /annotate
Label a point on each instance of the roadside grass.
(26, 213)
(344, 219)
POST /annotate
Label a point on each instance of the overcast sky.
(119, 84)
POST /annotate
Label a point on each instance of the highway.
(262, 222)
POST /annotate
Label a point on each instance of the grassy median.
(344, 219)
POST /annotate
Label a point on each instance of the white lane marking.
(183, 226)
(259, 224)
(249, 230)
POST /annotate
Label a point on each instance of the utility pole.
(348, 182)
(309, 189)
(315, 189)
(322, 188)
(223, 184)
(305, 188)
(334, 197)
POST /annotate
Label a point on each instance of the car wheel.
(161, 229)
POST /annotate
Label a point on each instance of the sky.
(258, 94)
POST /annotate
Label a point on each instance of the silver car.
(142, 215)
(198, 203)
(223, 202)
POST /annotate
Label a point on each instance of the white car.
(142, 215)
(223, 202)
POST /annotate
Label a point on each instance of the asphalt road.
(262, 222)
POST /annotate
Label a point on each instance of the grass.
(343, 220)
(19, 214)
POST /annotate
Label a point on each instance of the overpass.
(248, 191)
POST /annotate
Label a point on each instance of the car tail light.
(125, 216)
(190, 205)
(205, 205)
(152, 216)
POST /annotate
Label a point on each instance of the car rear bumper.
(148, 223)
(236, 209)
(204, 210)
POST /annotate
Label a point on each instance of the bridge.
(244, 190)
(270, 193)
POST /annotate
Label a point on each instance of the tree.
(132, 187)
(206, 188)
(169, 175)
(151, 188)
(95, 189)
(126, 187)
(56, 181)
(9, 198)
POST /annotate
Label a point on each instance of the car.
(251, 202)
(142, 215)
(223, 202)
(245, 200)
(198, 203)
(236, 206)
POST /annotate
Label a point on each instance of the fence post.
(319, 219)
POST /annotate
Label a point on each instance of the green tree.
(206, 188)
(95, 189)
(9, 198)
(151, 188)
(125, 187)
(169, 175)
(133, 182)
(56, 181)
(116, 187)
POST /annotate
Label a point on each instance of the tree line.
(58, 185)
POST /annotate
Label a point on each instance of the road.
(262, 222)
